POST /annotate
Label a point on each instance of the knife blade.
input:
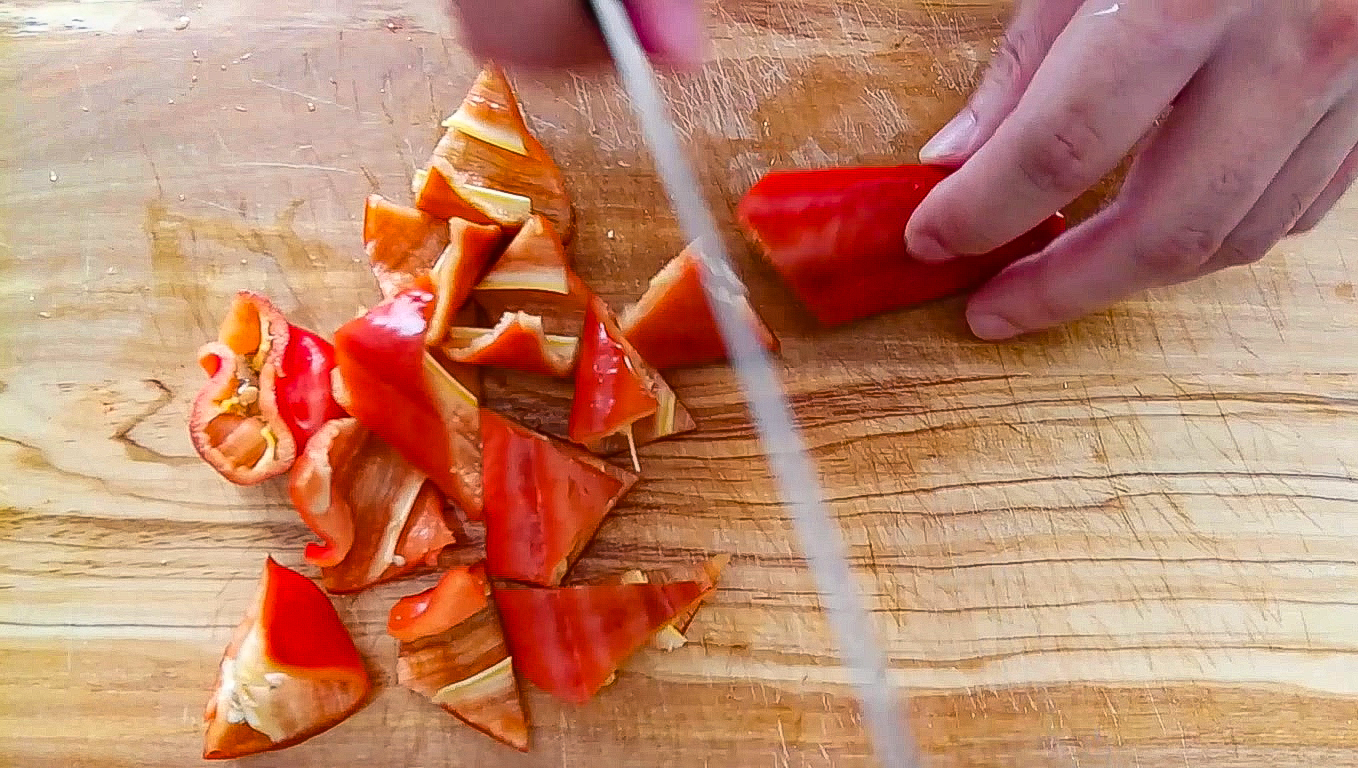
(780, 439)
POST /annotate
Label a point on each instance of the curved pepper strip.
(319, 488)
(453, 652)
(544, 500)
(568, 641)
(837, 237)
(290, 672)
(458, 595)
(401, 531)
(402, 243)
(268, 391)
(378, 517)
(517, 342)
(395, 388)
(470, 250)
(671, 325)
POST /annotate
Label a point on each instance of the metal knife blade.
(780, 439)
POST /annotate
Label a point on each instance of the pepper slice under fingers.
(837, 237)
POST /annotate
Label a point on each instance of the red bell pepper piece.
(402, 243)
(568, 641)
(470, 251)
(544, 500)
(453, 652)
(394, 538)
(617, 394)
(320, 488)
(458, 595)
(535, 260)
(836, 236)
(290, 672)
(437, 194)
(534, 275)
(671, 636)
(517, 342)
(378, 517)
(395, 388)
(305, 399)
(488, 144)
(671, 325)
(268, 391)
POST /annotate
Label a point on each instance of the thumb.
(1030, 34)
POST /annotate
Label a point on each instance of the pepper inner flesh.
(239, 430)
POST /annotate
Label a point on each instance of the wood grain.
(1126, 542)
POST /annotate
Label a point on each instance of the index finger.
(1108, 76)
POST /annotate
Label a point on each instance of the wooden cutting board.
(1127, 542)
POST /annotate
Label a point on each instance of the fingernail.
(952, 140)
(926, 247)
(992, 327)
(670, 30)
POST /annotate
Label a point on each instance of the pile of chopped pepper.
(400, 464)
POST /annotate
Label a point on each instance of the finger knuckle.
(1228, 185)
(1182, 251)
(1242, 253)
(1159, 28)
(1297, 206)
(1019, 51)
(1064, 160)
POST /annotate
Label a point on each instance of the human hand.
(1259, 143)
(562, 33)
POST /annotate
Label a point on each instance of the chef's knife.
(782, 444)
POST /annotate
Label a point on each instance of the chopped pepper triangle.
(517, 342)
(620, 401)
(402, 243)
(453, 652)
(544, 500)
(535, 260)
(568, 641)
(672, 326)
(291, 671)
(488, 145)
